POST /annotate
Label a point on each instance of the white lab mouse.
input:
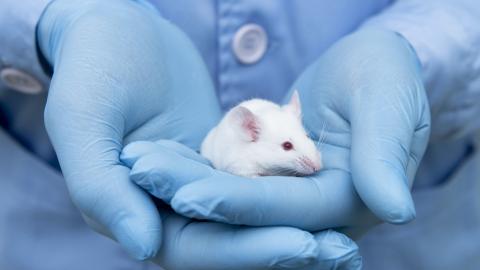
(261, 138)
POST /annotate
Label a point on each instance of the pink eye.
(287, 146)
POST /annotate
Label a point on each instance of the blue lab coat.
(41, 229)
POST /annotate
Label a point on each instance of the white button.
(20, 81)
(250, 43)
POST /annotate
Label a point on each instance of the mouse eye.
(287, 146)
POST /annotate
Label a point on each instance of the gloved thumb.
(389, 137)
(390, 126)
(84, 117)
(99, 185)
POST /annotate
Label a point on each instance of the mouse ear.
(294, 104)
(246, 122)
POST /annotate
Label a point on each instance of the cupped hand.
(163, 167)
(121, 74)
(365, 102)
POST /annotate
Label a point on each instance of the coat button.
(20, 81)
(249, 43)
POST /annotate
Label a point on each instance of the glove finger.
(388, 134)
(336, 252)
(88, 151)
(316, 203)
(201, 192)
(383, 114)
(194, 245)
(418, 146)
(121, 207)
(163, 173)
(135, 150)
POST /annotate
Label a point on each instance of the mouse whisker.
(323, 135)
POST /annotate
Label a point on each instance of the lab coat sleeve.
(446, 37)
(18, 20)
(18, 48)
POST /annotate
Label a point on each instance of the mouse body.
(261, 138)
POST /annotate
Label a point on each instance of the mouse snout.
(313, 165)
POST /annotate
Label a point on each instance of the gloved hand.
(448, 50)
(122, 73)
(365, 98)
(154, 162)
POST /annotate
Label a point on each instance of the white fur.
(228, 150)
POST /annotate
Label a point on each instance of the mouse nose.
(314, 165)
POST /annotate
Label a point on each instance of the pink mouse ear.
(246, 122)
(294, 104)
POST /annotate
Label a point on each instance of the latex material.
(442, 236)
(40, 228)
(366, 95)
(120, 78)
(400, 16)
(444, 34)
(152, 166)
(93, 108)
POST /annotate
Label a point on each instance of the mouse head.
(274, 139)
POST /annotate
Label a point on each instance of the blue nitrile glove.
(366, 95)
(122, 73)
(163, 167)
